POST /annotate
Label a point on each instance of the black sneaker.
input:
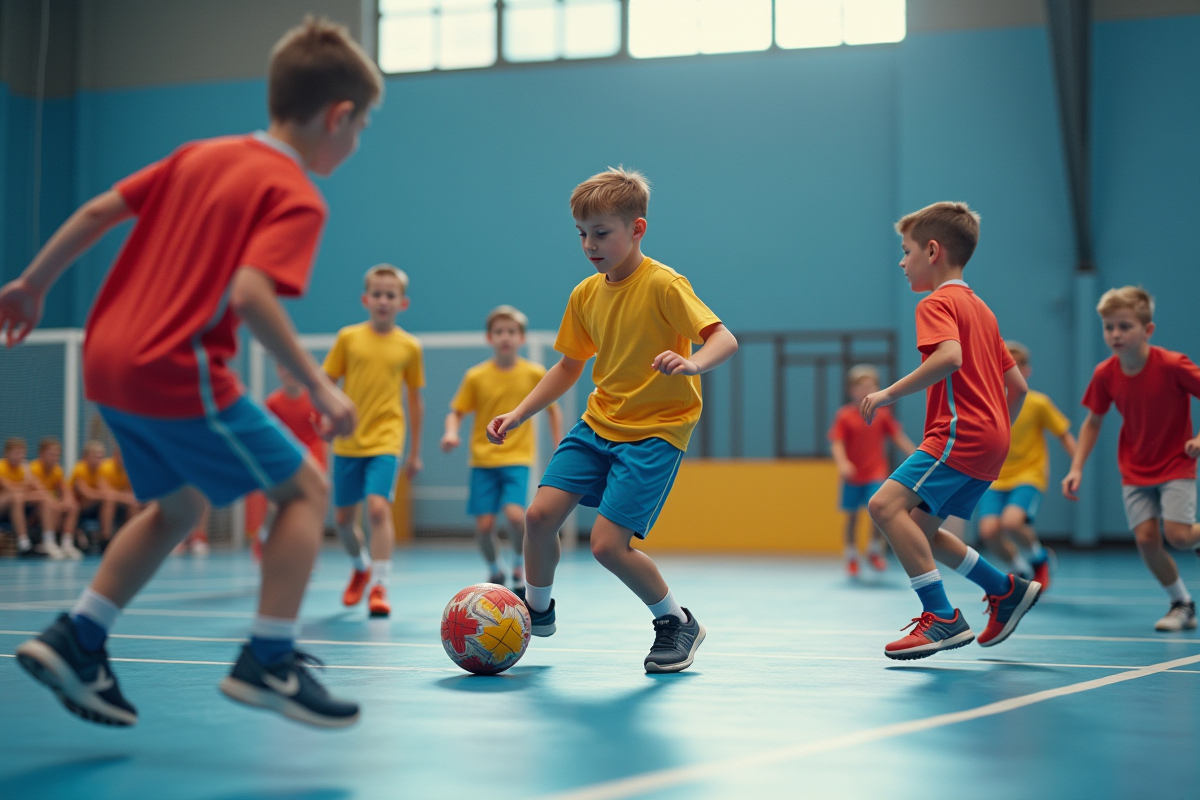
(675, 643)
(288, 688)
(83, 681)
(541, 623)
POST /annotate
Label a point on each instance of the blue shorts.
(944, 491)
(493, 488)
(1025, 497)
(856, 495)
(627, 481)
(355, 477)
(225, 455)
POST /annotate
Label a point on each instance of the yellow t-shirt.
(1028, 462)
(625, 325)
(80, 472)
(51, 480)
(114, 475)
(13, 474)
(375, 367)
(489, 391)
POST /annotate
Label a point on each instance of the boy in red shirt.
(1153, 390)
(860, 455)
(974, 391)
(294, 408)
(222, 227)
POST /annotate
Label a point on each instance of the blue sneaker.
(931, 635)
(1006, 610)
(289, 689)
(541, 623)
(84, 682)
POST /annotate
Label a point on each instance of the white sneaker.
(52, 550)
(199, 549)
(1181, 617)
(70, 551)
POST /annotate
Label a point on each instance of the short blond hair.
(954, 226)
(48, 442)
(12, 443)
(862, 372)
(1134, 298)
(386, 269)
(1018, 351)
(94, 446)
(507, 312)
(619, 191)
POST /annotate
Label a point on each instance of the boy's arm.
(450, 438)
(942, 362)
(1088, 433)
(905, 444)
(416, 418)
(553, 385)
(1017, 388)
(837, 449)
(253, 299)
(22, 300)
(1069, 444)
(719, 347)
(556, 423)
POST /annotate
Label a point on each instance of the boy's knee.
(538, 519)
(378, 509)
(1012, 519)
(1179, 535)
(484, 525)
(881, 506)
(989, 529)
(515, 515)
(606, 550)
(1147, 536)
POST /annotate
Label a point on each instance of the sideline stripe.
(680, 776)
(230, 664)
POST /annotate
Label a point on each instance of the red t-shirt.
(300, 417)
(1156, 415)
(864, 443)
(966, 415)
(160, 332)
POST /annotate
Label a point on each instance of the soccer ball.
(485, 629)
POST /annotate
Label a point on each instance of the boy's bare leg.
(547, 513)
(850, 530)
(1150, 545)
(1181, 535)
(346, 520)
(145, 541)
(15, 502)
(484, 523)
(891, 509)
(108, 516)
(70, 516)
(610, 546)
(993, 536)
(514, 515)
(295, 539)
(383, 531)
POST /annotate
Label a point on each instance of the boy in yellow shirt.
(20, 494)
(375, 358)
(499, 476)
(1008, 508)
(48, 472)
(119, 498)
(639, 319)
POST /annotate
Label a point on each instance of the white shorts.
(1173, 501)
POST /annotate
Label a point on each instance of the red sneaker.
(1041, 574)
(378, 602)
(354, 591)
(852, 567)
(931, 635)
(878, 562)
(1005, 611)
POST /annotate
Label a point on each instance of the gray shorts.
(1173, 501)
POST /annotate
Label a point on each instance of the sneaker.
(497, 578)
(1006, 610)
(541, 623)
(51, 549)
(878, 562)
(1041, 574)
(358, 584)
(289, 689)
(675, 643)
(377, 603)
(83, 681)
(198, 548)
(852, 567)
(1181, 617)
(70, 551)
(931, 634)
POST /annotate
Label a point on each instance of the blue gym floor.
(790, 695)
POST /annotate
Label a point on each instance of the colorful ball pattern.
(485, 629)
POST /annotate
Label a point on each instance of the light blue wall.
(777, 178)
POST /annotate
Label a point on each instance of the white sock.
(851, 552)
(1178, 592)
(98, 608)
(668, 605)
(925, 579)
(362, 561)
(538, 597)
(24, 543)
(381, 571)
(50, 537)
(968, 563)
(875, 546)
(274, 628)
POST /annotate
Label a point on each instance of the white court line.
(230, 664)
(681, 776)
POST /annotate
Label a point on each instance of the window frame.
(622, 54)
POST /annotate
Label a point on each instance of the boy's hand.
(1192, 447)
(1070, 484)
(498, 428)
(847, 471)
(873, 402)
(412, 466)
(450, 441)
(671, 363)
(20, 310)
(338, 415)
